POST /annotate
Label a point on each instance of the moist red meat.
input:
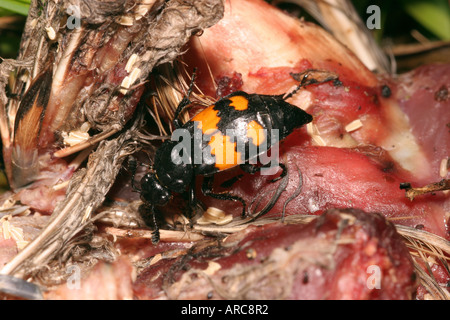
(335, 178)
(402, 136)
(423, 97)
(344, 254)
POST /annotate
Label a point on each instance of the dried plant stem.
(425, 237)
(86, 193)
(430, 284)
(341, 19)
(148, 33)
(442, 185)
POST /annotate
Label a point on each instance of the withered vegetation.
(88, 62)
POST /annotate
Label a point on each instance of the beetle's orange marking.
(239, 103)
(256, 132)
(208, 118)
(225, 151)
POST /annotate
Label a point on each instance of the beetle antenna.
(191, 85)
(302, 83)
(184, 102)
(132, 166)
(309, 77)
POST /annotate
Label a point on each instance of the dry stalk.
(411, 193)
(86, 193)
(340, 18)
(150, 33)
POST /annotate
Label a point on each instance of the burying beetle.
(253, 119)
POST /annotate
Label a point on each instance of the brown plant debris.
(84, 62)
(411, 192)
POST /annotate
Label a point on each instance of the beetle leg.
(192, 200)
(207, 191)
(252, 169)
(295, 194)
(155, 233)
(230, 182)
(270, 204)
(283, 173)
(150, 210)
(133, 164)
(246, 167)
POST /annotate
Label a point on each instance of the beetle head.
(153, 192)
